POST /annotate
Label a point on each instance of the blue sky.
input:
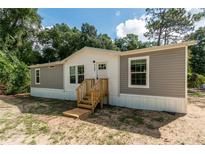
(117, 23)
(114, 22)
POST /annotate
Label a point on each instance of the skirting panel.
(48, 93)
(70, 95)
(53, 93)
(157, 103)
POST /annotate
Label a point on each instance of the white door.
(101, 70)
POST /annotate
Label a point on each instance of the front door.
(101, 70)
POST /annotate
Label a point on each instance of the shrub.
(195, 80)
(14, 74)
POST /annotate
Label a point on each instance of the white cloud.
(49, 27)
(193, 10)
(200, 23)
(117, 13)
(134, 26)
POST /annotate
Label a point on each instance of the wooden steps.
(90, 93)
(87, 97)
(77, 113)
(86, 106)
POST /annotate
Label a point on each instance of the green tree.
(167, 25)
(14, 74)
(131, 42)
(105, 42)
(18, 29)
(88, 35)
(59, 42)
(197, 57)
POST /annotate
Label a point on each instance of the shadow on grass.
(133, 120)
(123, 119)
(36, 105)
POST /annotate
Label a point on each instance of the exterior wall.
(167, 70)
(50, 77)
(166, 74)
(86, 58)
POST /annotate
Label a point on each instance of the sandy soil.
(28, 120)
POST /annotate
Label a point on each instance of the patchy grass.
(159, 119)
(131, 119)
(150, 126)
(30, 120)
(7, 124)
(33, 142)
(57, 137)
(196, 93)
(34, 126)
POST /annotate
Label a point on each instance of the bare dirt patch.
(29, 120)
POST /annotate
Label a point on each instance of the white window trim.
(79, 74)
(38, 69)
(75, 74)
(147, 72)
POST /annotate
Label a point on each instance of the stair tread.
(85, 106)
(77, 113)
(87, 97)
(88, 101)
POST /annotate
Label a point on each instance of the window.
(37, 76)
(76, 74)
(80, 73)
(72, 74)
(102, 66)
(139, 72)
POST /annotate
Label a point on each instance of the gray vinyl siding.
(166, 74)
(50, 77)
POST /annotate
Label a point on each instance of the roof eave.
(46, 64)
(158, 48)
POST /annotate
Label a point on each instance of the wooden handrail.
(97, 90)
(84, 88)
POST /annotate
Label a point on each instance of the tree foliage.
(195, 80)
(18, 28)
(60, 41)
(197, 60)
(14, 74)
(131, 42)
(168, 25)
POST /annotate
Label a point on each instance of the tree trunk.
(165, 37)
(159, 37)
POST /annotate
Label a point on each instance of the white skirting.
(48, 93)
(157, 103)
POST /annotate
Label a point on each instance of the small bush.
(195, 80)
(14, 74)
